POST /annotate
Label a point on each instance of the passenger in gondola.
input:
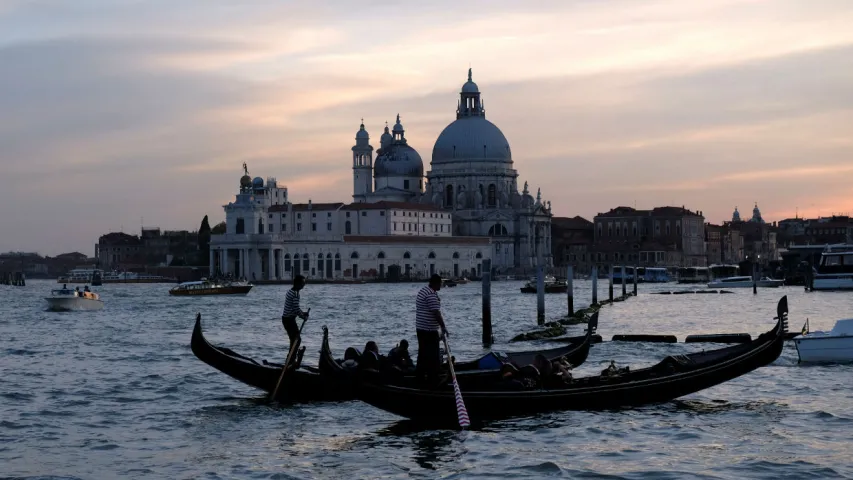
(510, 378)
(399, 357)
(86, 288)
(292, 309)
(370, 359)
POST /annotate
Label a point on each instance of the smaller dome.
(245, 181)
(398, 127)
(399, 160)
(258, 182)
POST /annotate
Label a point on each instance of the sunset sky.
(116, 113)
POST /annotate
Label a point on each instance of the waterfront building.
(660, 237)
(266, 239)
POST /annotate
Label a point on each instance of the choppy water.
(119, 394)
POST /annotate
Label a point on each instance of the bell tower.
(362, 166)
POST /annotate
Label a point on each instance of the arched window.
(338, 262)
(286, 262)
(479, 255)
(348, 228)
(448, 197)
(381, 255)
(431, 255)
(320, 263)
(305, 265)
(407, 255)
(492, 195)
(455, 254)
(354, 255)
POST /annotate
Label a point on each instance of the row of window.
(622, 229)
(354, 255)
(410, 227)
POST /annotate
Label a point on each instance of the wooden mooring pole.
(487, 303)
(636, 269)
(571, 290)
(624, 283)
(754, 278)
(594, 285)
(610, 276)
(540, 295)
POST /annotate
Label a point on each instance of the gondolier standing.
(292, 310)
(429, 325)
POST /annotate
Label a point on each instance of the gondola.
(472, 374)
(306, 384)
(672, 378)
(300, 385)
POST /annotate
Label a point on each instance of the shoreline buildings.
(398, 225)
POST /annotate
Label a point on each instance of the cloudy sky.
(120, 112)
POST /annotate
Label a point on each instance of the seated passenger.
(399, 356)
(510, 378)
(370, 358)
(543, 365)
(530, 376)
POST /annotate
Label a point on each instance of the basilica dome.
(398, 160)
(471, 138)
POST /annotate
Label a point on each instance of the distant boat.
(835, 346)
(745, 282)
(96, 276)
(552, 285)
(209, 287)
(65, 299)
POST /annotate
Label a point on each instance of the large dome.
(398, 159)
(471, 139)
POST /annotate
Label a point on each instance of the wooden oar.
(461, 411)
(290, 353)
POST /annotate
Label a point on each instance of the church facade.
(403, 222)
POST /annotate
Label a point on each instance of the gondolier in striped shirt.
(429, 325)
(292, 310)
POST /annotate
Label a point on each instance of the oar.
(461, 411)
(293, 348)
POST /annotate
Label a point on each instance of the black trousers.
(291, 328)
(429, 354)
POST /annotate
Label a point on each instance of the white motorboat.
(835, 271)
(65, 299)
(835, 346)
(744, 282)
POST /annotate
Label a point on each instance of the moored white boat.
(835, 271)
(744, 282)
(65, 299)
(835, 346)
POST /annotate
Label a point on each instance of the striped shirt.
(291, 304)
(427, 303)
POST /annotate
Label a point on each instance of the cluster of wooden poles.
(15, 279)
(488, 338)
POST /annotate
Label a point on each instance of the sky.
(118, 113)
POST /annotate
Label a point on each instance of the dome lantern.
(469, 100)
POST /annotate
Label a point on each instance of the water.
(119, 394)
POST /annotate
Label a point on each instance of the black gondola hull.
(673, 378)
